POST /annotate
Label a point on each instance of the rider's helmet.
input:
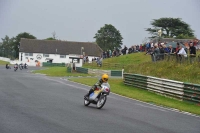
(104, 77)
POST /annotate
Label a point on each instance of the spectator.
(150, 50)
(192, 49)
(84, 59)
(130, 50)
(124, 50)
(110, 53)
(107, 53)
(161, 51)
(171, 49)
(151, 45)
(140, 49)
(182, 51)
(156, 53)
(192, 52)
(166, 49)
(177, 48)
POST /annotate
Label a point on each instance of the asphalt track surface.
(32, 103)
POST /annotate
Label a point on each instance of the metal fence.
(45, 64)
(180, 90)
(117, 73)
(176, 58)
(108, 65)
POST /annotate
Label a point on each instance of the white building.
(33, 51)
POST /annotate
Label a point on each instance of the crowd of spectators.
(156, 50)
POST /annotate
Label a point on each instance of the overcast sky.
(79, 20)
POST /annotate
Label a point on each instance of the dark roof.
(63, 47)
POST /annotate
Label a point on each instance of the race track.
(32, 103)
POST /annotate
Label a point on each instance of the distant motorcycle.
(25, 66)
(21, 66)
(99, 96)
(7, 66)
(15, 67)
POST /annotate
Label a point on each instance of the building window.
(62, 56)
(46, 55)
(28, 54)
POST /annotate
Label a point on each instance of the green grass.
(168, 70)
(118, 87)
(139, 63)
(136, 58)
(58, 72)
(3, 62)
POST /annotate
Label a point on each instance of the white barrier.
(99, 72)
(5, 59)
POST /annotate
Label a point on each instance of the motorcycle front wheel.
(86, 102)
(101, 101)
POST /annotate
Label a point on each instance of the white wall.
(56, 59)
(8, 60)
(5, 59)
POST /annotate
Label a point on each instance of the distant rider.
(21, 66)
(16, 65)
(7, 66)
(104, 79)
(25, 65)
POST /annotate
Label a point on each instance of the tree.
(7, 47)
(50, 38)
(18, 38)
(181, 36)
(171, 27)
(7, 43)
(108, 37)
(53, 36)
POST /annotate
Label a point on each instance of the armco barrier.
(45, 64)
(135, 80)
(191, 92)
(163, 86)
(116, 73)
(167, 87)
(69, 69)
(98, 72)
(81, 70)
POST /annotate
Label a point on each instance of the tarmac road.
(32, 103)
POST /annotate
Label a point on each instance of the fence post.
(122, 73)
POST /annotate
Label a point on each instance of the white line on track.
(171, 109)
(157, 107)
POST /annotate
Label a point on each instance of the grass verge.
(135, 58)
(59, 72)
(3, 62)
(139, 63)
(169, 70)
(118, 87)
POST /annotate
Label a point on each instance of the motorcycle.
(99, 96)
(25, 66)
(20, 66)
(15, 68)
(8, 67)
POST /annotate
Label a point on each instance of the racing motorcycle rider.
(103, 79)
(25, 66)
(7, 66)
(16, 65)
